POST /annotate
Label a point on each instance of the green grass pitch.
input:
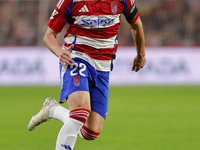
(139, 118)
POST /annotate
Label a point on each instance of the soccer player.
(86, 59)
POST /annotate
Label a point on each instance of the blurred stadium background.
(172, 23)
(172, 33)
(161, 117)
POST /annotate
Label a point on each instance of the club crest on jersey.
(114, 7)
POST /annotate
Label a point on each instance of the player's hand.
(138, 63)
(64, 57)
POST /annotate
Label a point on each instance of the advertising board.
(165, 66)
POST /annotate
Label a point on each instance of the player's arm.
(55, 25)
(132, 15)
(52, 44)
(138, 35)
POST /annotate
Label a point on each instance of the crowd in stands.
(173, 22)
(166, 22)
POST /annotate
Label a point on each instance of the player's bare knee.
(79, 100)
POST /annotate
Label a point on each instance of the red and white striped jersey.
(93, 27)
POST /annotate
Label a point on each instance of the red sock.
(79, 114)
(88, 134)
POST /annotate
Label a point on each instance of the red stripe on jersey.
(101, 33)
(57, 23)
(98, 54)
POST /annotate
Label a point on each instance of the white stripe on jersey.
(95, 43)
(101, 21)
(100, 65)
(59, 4)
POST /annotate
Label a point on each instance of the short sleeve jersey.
(93, 24)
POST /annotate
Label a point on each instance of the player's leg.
(99, 106)
(93, 126)
(71, 81)
(75, 86)
(79, 104)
